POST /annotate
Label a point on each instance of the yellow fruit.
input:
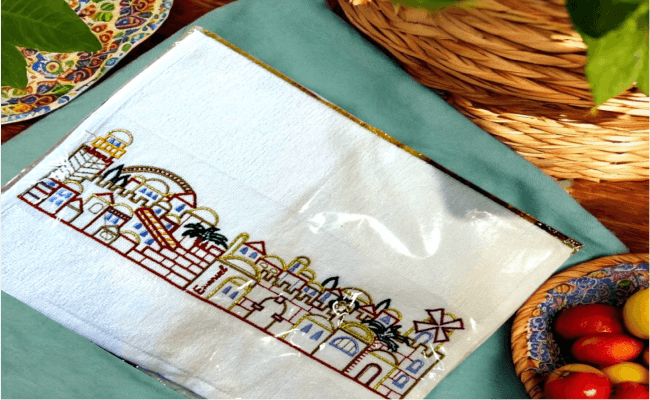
(627, 372)
(635, 314)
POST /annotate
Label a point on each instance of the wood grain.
(621, 206)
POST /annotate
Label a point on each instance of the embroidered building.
(150, 216)
(137, 210)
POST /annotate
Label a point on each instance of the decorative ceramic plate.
(608, 280)
(56, 78)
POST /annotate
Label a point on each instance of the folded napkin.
(246, 238)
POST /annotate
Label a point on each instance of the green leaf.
(46, 25)
(619, 58)
(597, 17)
(642, 80)
(14, 66)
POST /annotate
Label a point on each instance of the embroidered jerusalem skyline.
(150, 216)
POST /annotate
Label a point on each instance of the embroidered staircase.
(155, 226)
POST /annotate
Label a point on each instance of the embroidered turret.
(91, 160)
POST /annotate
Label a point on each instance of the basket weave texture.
(516, 69)
(524, 366)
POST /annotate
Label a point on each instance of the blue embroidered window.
(253, 254)
(226, 290)
(428, 336)
(149, 242)
(144, 233)
(180, 208)
(306, 328)
(137, 226)
(316, 335)
(346, 344)
(415, 366)
(401, 381)
(244, 250)
(294, 267)
(233, 295)
(115, 219)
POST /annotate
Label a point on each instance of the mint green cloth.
(307, 42)
(42, 359)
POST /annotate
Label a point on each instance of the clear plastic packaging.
(267, 244)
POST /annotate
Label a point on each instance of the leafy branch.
(46, 25)
(205, 234)
(616, 35)
(387, 334)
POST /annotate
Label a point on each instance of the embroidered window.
(415, 366)
(401, 381)
(244, 250)
(427, 336)
(306, 328)
(316, 335)
(253, 254)
(96, 208)
(137, 226)
(111, 218)
(294, 267)
(226, 290)
(346, 344)
(149, 242)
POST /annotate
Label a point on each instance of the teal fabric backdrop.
(307, 42)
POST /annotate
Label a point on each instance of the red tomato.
(630, 390)
(577, 381)
(588, 319)
(606, 349)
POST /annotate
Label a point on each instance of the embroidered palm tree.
(204, 234)
(387, 334)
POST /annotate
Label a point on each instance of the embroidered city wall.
(151, 216)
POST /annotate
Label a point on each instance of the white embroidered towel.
(245, 238)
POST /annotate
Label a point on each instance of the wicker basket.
(516, 69)
(525, 367)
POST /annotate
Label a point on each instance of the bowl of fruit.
(584, 332)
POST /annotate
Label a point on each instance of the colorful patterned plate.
(608, 280)
(56, 78)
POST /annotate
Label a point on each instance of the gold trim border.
(570, 242)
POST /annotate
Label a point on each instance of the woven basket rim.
(524, 366)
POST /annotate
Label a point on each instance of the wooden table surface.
(620, 206)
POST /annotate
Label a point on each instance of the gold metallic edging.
(572, 243)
